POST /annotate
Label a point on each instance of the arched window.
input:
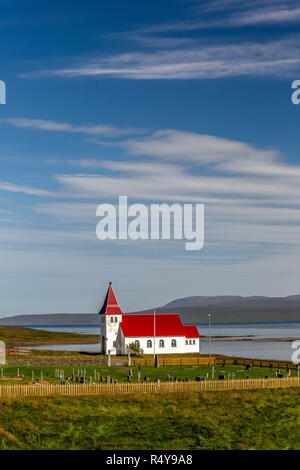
(149, 343)
(174, 344)
(137, 343)
(111, 319)
(116, 319)
(161, 343)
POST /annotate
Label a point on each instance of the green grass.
(121, 373)
(19, 336)
(259, 419)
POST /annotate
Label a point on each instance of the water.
(69, 347)
(80, 329)
(269, 350)
(254, 340)
(256, 330)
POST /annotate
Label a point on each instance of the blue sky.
(163, 101)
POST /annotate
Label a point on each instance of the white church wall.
(167, 349)
(115, 342)
(111, 329)
(192, 345)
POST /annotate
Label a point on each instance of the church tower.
(111, 317)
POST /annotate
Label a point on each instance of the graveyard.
(90, 374)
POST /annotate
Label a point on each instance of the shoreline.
(51, 343)
(249, 338)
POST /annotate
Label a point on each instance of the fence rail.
(17, 352)
(194, 361)
(18, 390)
(175, 361)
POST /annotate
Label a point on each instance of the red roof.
(165, 325)
(110, 305)
(191, 331)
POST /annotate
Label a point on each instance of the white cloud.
(266, 16)
(278, 57)
(25, 236)
(252, 219)
(204, 149)
(86, 163)
(251, 194)
(46, 125)
(227, 168)
(222, 13)
(77, 211)
(15, 188)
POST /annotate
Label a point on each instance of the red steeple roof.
(110, 305)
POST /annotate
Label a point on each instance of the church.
(153, 334)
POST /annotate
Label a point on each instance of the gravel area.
(63, 361)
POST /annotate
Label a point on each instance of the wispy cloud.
(92, 129)
(280, 57)
(179, 49)
(252, 212)
(179, 165)
(198, 148)
(230, 14)
(264, 16)
(15, 188)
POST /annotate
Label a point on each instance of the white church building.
(154, 334)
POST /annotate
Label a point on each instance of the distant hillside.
(221, 314)
(14, 335)
(51, 319)
(262, 309)
(235, 301)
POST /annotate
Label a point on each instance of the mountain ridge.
(193, 309)
(235, 301)
(188, 315)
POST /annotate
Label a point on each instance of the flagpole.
(154, 334)
(209, 323)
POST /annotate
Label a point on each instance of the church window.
(116, 319)
(194, 341)
(174, 344)
(111, 319)
(186, 341)
(137, 343)
(149, 343)
(161, 343)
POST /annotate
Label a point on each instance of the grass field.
(121, 373)
(19, 336)
(264, 419)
